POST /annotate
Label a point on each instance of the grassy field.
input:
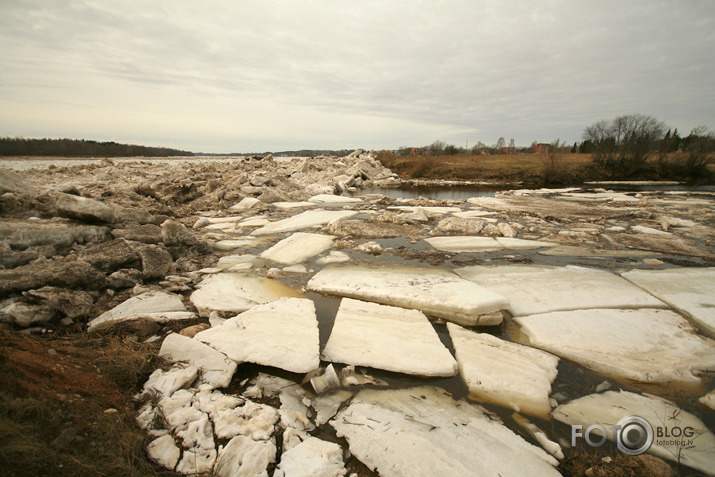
(534, 169)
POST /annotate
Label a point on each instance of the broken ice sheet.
(243, 456)
(608, 408)
(428, 433)
(504, 373)
(282, 333)
(646, 346)
(298, 248)
(433, 291)
(537, 289)
(312, 458)
(389, 338)
(307, 219)
(689, 290)
(156, 306)
(215, 368)
(236, 292)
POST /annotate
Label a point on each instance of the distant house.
(508, 150)
(542, 148)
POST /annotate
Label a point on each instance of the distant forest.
(79, 147)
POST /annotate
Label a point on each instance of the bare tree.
(500, 144)
(622, 146)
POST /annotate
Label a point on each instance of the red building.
(542, 148)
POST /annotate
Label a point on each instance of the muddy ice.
(362, 323)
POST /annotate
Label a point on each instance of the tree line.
(18, 146)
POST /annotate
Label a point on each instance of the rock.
(244, 456)
(190, 331)
(234, 293)
(155, 306)
(216, 369)
(503, 373)
(688, 290)
(175, 233)
(312, 458)
(156, 261)
(456, 225)
(60, 272)
(607, 409)
(429, 433)
(433, 291)
(297, 248)
(304, 220)
(148, 233)
(82, 208)
(535, 289)
(282, 333)
(246, 204)
(389, 338)
(25, 314)
(11, 181)
(644, 346)
(110, 256)
(74, 304)
(21, 235)
(164, 452)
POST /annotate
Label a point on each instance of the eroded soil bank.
(135, 250)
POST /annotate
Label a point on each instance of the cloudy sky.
(264, 75)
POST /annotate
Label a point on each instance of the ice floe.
(333, 199)
(429, 433)
(282, 333)
(484, 244)
(164, 451)
(155, 306)
(607, 409)
(434, 291)
(689, 290)
(304, 220)
(235, 292)
(389, 338)
(312, 458)
(646, 346)
(243, 456)
(504, 373)
(297, 248)
(538, 289)
(215, 368)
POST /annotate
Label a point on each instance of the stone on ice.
(156, 306)
(282, 333)
(297, 248)
(608, 408)
(312, 458)
(389, 338)
(235, 292)
(434, 291)
(504, 373)
(333, 199)
(538, 289)
(689, 290)
(216, 369)
(429, 433)
(164, 452)
(646, 346)
(304, 220)
(243, 456)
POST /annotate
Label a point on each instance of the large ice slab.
(312, 458)
(235, 292)
(387, 337)
(216, 369)
(155, 306)
(538, 289)
(689, 290)
(434, 291)
(696, 451)
(646, 346)
(282, 333)
(504, 373)
(484, 244)
(298, 248)
(428, 433)
(304, 220)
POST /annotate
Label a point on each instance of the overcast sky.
(252, 76)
